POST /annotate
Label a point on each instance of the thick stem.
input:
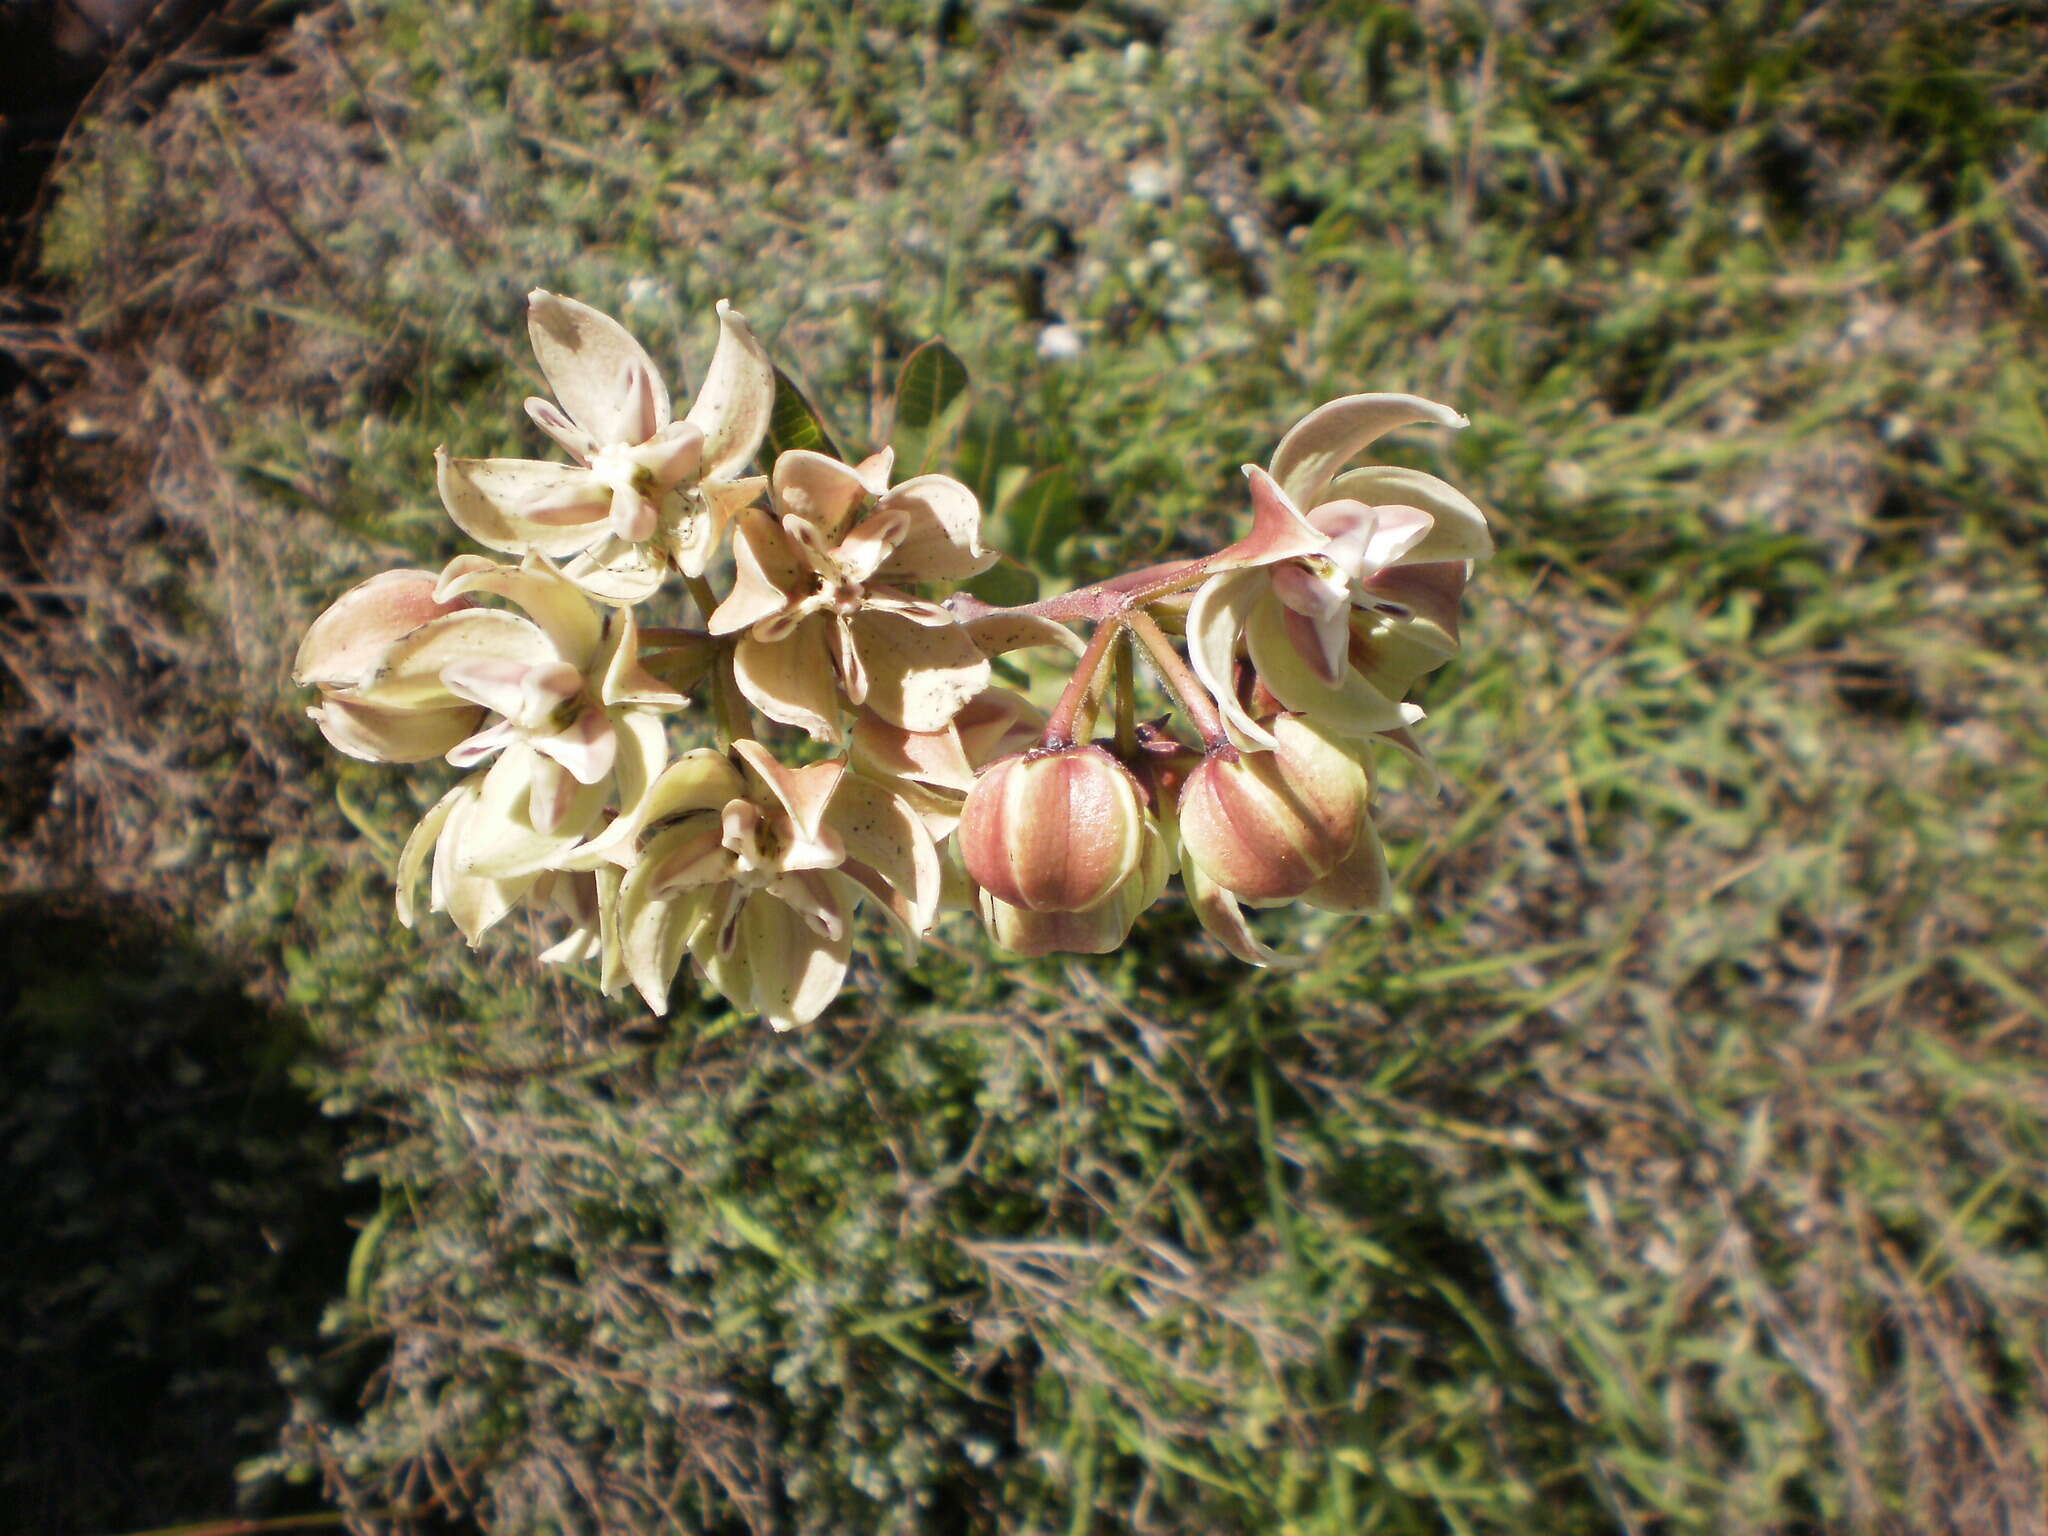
(1126, 665)
(1181, 682)
(1059, 727)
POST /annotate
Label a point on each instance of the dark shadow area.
(175, 1215)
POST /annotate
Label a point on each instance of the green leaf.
(931, 402)
(1040, 513)
(793, 422)
(1006, 584)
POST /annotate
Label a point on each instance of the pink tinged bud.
(1053, 831)
(1269, 825)
(1099, 930)
(347, 643)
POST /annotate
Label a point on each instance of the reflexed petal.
(655, 932)
(557, 604)
(700, 780)
(1330, 436)
(814, 898)
(875, 469)
(392, 735)
(603, 378)
(884, 836)
(1279, 531)
(929, 757)
(918, 677)
(1225, 920)
(1351, 708)
(791, 681)
(1459, 530)
(739, 392)
(1361, 883)
(522, 506)
(500, 837)
(411, 675)
(346, 643)
(412, 859)
(937, 533)
(997, 634)
(475, 902)
(796, 974)
(820, 490)
(996, 722)
(1215, 620)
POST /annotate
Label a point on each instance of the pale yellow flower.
(646, 492)
(818, 597)
(754, 869)
(1340, 633)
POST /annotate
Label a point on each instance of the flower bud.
(1268, 825)
(1052, 831)
(1100, 929)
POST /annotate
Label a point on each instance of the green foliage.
(1670, 1159)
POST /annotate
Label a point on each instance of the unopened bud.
(1052, 831)
(1100, 929)
(1268, 825)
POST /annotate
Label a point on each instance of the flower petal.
(522, 506)
(412, 858)
(918, 677)
(768, 571)
(1215, 620)
(733, 407)
(655, 931)
(1331, 435)
(501, 837)
(819, 489)
(1352, 707)
(604, 379)
(343, 647)
(1279, 531)
(795, 973)
(938, 531)
(626, 681)
(1459, 531)
(804, 794)
(1360, 883)
(1224, 918)
(791, 680)
(410, 677)
(556, 603)
(616, 572)
(997, 634)
(392, 735)
(886, 837)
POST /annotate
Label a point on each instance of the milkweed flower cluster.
(718, 691)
